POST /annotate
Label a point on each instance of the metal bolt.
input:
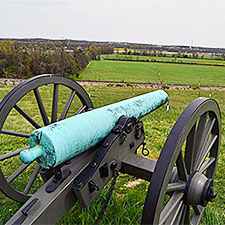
(106, 144)
(122, 138)
(93, 165)
(93, 187)
(113, 165)
(132, 144)
(211, 194)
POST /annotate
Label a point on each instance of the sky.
(163, 22)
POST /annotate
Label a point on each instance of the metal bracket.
(24, 212)
(100, 171)
(59, 177)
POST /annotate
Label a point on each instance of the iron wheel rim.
(15, 95)
(169, 157)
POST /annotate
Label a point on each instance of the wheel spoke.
(176, 187)
(179, 215)
(27, 117)
(181, 167)
(186, 215)
(41, 107)
(13, 176)
(55, 103)
(189, 149)
(207, 131)
(197, 215)
(170, 218)
(207, 164)
(199, 134)
(12, 154)
(197, 209)
(174, 201)
(81, 109)
(67, 105)
(32, 179)
(174, 214)
(205, 137)
(14, 133)
(205, 151)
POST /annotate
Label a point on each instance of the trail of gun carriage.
(111, 133)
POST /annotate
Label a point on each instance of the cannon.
(79, 151)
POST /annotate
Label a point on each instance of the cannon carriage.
(181, 180)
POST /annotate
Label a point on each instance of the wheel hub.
(199, 190)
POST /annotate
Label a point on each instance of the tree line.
(17, 59)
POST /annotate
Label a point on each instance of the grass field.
(149, 73)
(127, 202)
(167, 59)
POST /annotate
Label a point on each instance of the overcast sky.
(181, 22)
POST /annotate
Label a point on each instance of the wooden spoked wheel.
(181, 185)
(14, 132)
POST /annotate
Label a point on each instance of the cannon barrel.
(61, 141)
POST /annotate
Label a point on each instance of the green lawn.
(163, 59)
(126, 204)
(149, 73)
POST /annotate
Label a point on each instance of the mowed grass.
(166, 59)
(127, 201)
(154, 73)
